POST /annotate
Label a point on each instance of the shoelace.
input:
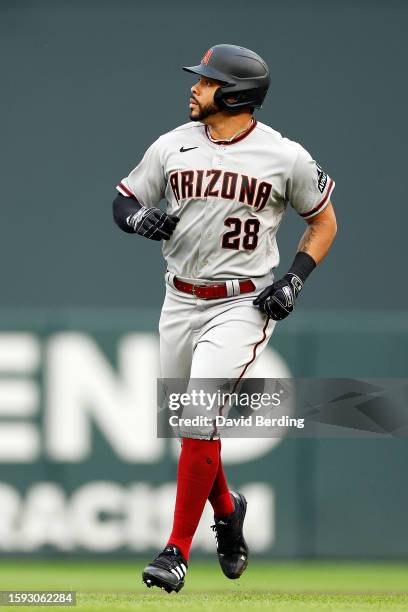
(225, 537)
(164, 561)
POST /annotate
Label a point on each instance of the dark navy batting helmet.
(243, 74)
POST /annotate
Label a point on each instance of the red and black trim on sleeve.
(125, 191)
(322, 204)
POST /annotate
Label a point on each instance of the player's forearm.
(149, 222)
(278, 300)
(123, 208)
(319, 236)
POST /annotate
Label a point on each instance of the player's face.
(202, 103)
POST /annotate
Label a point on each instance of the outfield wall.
(82, 472)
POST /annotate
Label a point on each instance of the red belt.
(212, 292)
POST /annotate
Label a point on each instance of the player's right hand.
(152, 223)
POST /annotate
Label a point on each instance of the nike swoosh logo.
(183, 150)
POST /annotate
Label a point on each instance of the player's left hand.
(278, 300)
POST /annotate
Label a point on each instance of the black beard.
(205, 111)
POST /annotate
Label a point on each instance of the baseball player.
(227, 181)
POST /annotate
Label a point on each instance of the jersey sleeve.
(308, 187)
(146, 182)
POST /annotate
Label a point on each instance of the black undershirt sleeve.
(123, 207)
(303, 265)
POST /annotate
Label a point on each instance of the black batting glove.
(152, 223)
(278, 300)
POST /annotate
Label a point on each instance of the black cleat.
(231, 546)
(167, 571)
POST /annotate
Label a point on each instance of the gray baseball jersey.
(230, 196)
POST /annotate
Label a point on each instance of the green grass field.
(287, 586)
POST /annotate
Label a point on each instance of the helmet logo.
(206, 56)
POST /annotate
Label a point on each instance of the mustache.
(194, 99)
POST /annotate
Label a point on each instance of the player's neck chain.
(236, 136)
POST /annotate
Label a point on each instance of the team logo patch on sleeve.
(321, 178)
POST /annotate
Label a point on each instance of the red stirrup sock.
(197, 468)
(220, 497)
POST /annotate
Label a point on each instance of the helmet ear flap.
(218, 99)
(243, 99)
